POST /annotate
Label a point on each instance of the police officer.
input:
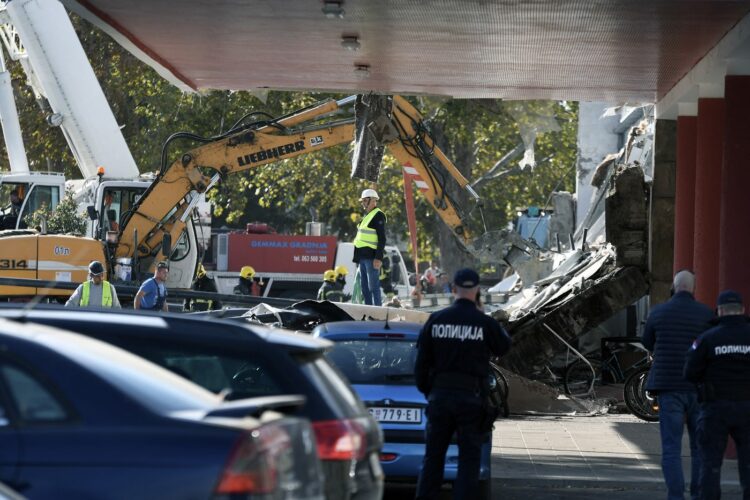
(96, 292)
(719, 361)
(452, 370)
(329, 290)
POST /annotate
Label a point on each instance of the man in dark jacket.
(719, 361)
(452, 370)
(670, 330)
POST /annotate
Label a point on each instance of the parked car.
(378, 359)
(80, 418)
(239, 360)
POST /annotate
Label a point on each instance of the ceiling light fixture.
(350, 42)
(333, 10)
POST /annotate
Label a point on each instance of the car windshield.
(376, 361)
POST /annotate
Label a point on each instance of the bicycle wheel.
(579, 379)
(501, 388)
(637, 399)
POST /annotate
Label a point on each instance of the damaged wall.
(599, 283)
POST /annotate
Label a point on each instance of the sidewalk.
(618, 452)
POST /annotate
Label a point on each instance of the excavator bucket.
(373, 130)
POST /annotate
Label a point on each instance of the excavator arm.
(441, 182)
(400, 128)
(162, 205)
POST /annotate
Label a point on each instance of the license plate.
(396, 414)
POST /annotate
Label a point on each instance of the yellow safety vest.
(367, 237)
(106, 294)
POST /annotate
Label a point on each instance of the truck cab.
(22, 194)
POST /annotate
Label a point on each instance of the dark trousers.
(449, 411)
(717, 420)
(677, 408)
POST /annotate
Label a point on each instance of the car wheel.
(485, 489)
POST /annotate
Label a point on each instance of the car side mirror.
(91, 212)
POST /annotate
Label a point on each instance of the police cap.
(466, 278)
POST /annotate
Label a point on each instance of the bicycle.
(639, 401)
(581, 375)
(500, 389)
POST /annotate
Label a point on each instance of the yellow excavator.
(160, 215)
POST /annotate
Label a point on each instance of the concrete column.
(684, 216)
(708, 162)
(734, 256)
(661, 249)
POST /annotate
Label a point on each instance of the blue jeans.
(370, 278)
(452, 411)
(717, 420)
(677, 408)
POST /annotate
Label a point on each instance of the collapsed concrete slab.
(582, 310)
(589, 286)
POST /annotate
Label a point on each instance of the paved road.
(612, 457)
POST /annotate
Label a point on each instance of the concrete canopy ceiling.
(586, 50)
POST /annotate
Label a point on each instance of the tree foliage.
(475, 134)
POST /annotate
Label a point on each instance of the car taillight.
(253, 465)
(340, 439)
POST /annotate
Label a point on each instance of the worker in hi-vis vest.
(369, 245)
(96, 292)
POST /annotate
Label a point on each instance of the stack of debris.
(591, 285)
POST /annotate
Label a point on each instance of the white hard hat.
(369, 193)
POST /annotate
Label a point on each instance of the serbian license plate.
(396, 414)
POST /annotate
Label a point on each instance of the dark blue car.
(379, 362)
(83, 419)
(239, 360)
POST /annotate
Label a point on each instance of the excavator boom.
(390, 122)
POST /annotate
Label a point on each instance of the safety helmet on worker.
(369, 193)
(341, 271)
(96, 268)
(329, 275)
(247, 272)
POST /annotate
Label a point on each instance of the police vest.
(106, 294)
(367, 237)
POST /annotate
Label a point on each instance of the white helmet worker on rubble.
(369, 245)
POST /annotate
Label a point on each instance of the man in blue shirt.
(152, 296)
